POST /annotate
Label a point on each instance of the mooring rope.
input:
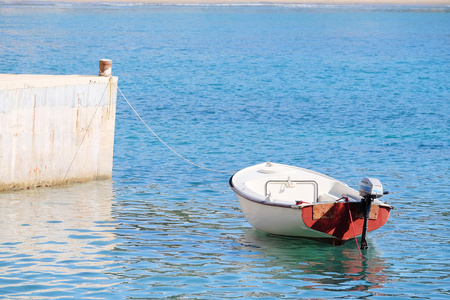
(353, 226)
(87, 129)
(164, 143)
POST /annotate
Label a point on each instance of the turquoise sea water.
(350, 91)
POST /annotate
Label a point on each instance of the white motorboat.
(291, 201)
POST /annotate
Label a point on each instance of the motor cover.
(370, 187)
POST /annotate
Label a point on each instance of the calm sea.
(350, 91)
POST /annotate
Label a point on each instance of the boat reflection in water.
(323, 269)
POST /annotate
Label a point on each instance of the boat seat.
(339, 189)
(290, 191)
(326, 198)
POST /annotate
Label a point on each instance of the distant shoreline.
(244, 2)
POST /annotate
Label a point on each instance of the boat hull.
(318, 221)
(334, 218)
(277, 220)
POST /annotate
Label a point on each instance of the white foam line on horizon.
(126, 3)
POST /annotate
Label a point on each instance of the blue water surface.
(349, 91)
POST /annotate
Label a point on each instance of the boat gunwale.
(253, 199)
(291, 206)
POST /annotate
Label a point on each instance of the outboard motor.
(369, 189)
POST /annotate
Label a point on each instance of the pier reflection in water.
(53, 240)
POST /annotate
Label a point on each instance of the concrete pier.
(55, 129)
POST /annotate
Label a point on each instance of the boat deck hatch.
(290, 191)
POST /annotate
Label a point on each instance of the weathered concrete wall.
(55, 129)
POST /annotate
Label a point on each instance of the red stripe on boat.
(334, 219)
